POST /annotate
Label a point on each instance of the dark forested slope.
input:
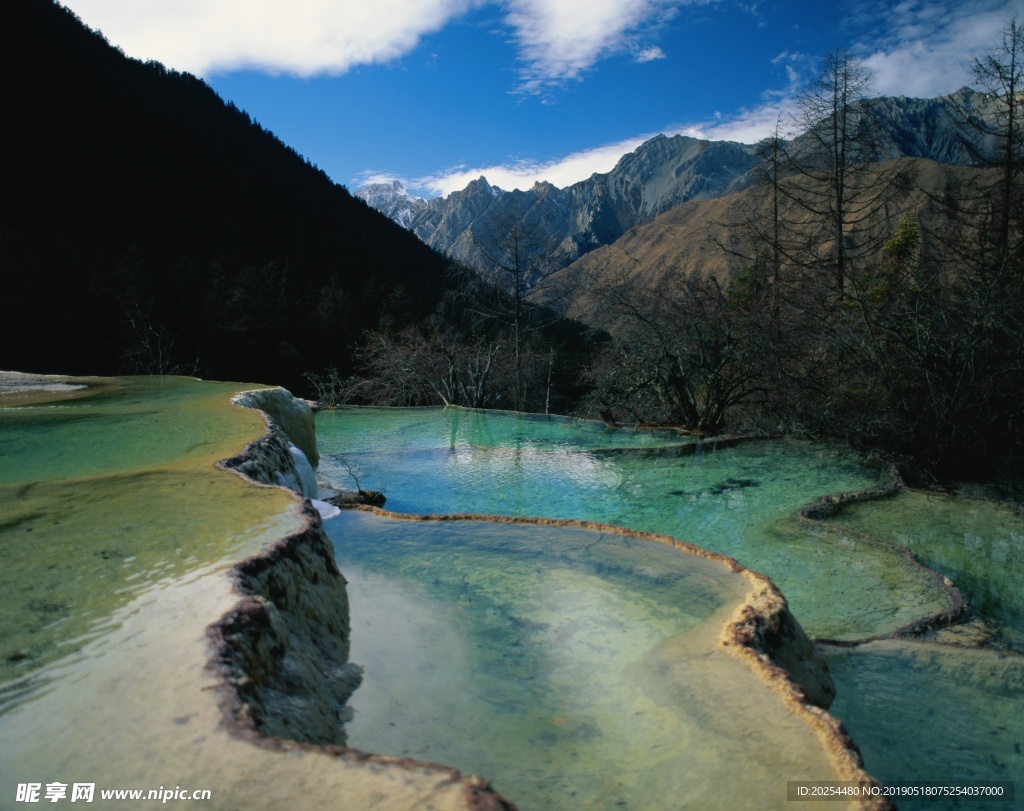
(145, 224)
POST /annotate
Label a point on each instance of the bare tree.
(772, 153)
(687, 353)
(511, 251)
(332, 389)
(435, 366)
(517, 288)
(832, 171)
(150, 348)
(999, 142)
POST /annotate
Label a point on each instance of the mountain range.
(711, 238)
(564, 224)
(148, 226)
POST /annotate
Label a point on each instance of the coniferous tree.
(832, 172)
(518, 289)
(1000, 142)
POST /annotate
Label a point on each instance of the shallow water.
(137, 708)
(114, 566)
(118, 535)
(131, 424)
(573, 668)
(99, 501)
(963, 706)
(739, 501)
(978, 544)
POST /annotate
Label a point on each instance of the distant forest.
(881, 302)
(146, 226)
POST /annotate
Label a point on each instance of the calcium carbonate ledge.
(281, 653)
(761, 632)
(817, 514)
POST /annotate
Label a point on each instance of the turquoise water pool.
(574, 668)
(739, 501)
(902, 705)
(117, 533)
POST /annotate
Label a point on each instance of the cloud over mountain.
(560, 39)
(557, 40)
(298, 37)
(921, 45)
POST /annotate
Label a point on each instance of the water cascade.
(169, 625)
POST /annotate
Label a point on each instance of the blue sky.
(437, 92)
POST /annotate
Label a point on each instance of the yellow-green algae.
(117, 690)
(103, 497)
(978, 544)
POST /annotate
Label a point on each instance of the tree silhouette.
(828, 168)
(1000, 142)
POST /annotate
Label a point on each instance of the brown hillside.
(689, 239)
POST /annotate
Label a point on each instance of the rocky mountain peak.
(662, 173)
(393, 200)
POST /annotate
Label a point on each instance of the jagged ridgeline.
(144, 220)
(660, 175)
(566, 223)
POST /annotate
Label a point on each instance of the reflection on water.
(738, 501)
(575, 669)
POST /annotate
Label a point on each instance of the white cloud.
(298, 37)
(650, 54)
(523, 174)
(560, 39)
(370, 177)
(924, 48)
(748, 126)
(557, 39)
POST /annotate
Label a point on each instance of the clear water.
(100, 498)
(916, 710)
(574, 669)
(978, 544)
(588, 668)
(117, 536)
(138, 423)
(962, 708)
(739, 501)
